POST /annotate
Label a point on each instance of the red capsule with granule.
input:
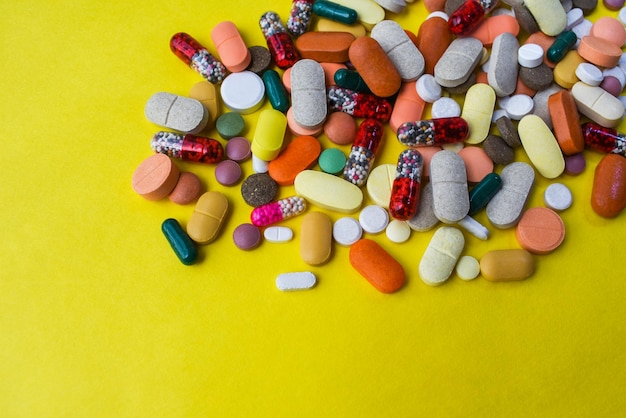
(192, 53)
(428, 132)
(405, 190)
(361, 159)
(188, 147)
(604, 139)
(278, 41)
(359, 105)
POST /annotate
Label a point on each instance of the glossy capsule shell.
(279, 42)
(180, 242)
(429, 132)
(351, 79)
(300, 16)
(604, 139)
(361, 159)
(192, 53)
(469, 15)
(188, 147)
(561, 46)
(405, 189)
(275, 91)
(482, 193)
(334, 11)
(273, 212)
(359, 105)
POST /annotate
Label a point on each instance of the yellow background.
(99, 319)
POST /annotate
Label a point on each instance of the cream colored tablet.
(314, 186)
(541, 146)
(477, 111)
(598, 105)
(441, 255)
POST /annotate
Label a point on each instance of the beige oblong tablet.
(328, 191)
(549, 14)
(503, 68)
(458, 61)
(541, 146)
(316, 237)
(176, 112)
(448, 178)
(441, 255)
(407, 59)
(477, 111)
(308, 94)
(598, 105)
(505, 209)
(208, 217)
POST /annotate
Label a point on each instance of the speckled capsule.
(273, 212)
(192, 53)
(604, 139)
(429, 132)
(188, 147)
(359, 105)
(300, 16)
(464, 19)
(279, 42)
(361, 159)
(405, 190)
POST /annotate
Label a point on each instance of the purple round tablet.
(227, 172)
(238, 149)
(575, 164)
(246, 236)
(611, 84)
(613, 4)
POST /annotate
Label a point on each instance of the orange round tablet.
(155, 177)
(188, 189)
(540, 230)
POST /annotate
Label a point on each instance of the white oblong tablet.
(589, 74)
(374, 219)
(530, 55)
(427, 88)
(558, 197)
(302, 280)
(278, 234)
(347, 231)
(445, 107)
(243, 92)
(519, 105)
(616, 72)
(574, 17)
(398, 231)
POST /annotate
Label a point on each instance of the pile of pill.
(495, 77)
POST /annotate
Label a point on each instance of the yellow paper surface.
(99, 319)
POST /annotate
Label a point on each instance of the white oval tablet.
(558, 197)
(530, 55)
(347, 231)
(574, 17)
(243, 92)
(445, 107)
(519, 105)
(374, 219)
(278, 234)
(301, 280)
(589, 74)
(398, 231)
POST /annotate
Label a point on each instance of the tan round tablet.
(187, 189)
(155, 177)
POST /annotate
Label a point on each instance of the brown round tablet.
(540, 230)
(261, 59)
(155, 177)
(187, 190)
(340, 128)
(258, 189)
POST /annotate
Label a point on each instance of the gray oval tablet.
(176, 112)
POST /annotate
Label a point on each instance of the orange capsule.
(608, 195)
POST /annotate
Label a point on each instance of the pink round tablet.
(187, 190)
(246, 236)
(611, 85)
(340, 128)
(228, 172)
(610, 29)
(575, 164)
(238, 149)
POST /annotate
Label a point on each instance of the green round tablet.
(332, 160)
(230, 125)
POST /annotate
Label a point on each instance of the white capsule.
(474, 227)
(288, 282)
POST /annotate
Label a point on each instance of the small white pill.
(530, 55)
(502, 11)
(427, 88)
(467, 268)
(574, 17)
(519, 105)
(503, 101)
(301, 280)
(589, 74)
(474, 227)
(558, 197)
(373, 219)
(445, 107)
(347, 231)
(617, 73)
(259, 165)
(621, 16)
(398, 231)
(278, 234)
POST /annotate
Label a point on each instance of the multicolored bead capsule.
(197, 57)
(361, 159)
(188, 147)
(300, 16)
(359, 105)
(469, 15)
(428, 132)
(279, 42)
(273, 212)
(405, 190)
(604, 139)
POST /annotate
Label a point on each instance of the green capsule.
(275, 91)
(482, 193)
(180, 242)
(334, 11)
(351, 79)
(561, 46)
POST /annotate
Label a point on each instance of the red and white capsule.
(428, 132)
(405, 191)
(192, 53)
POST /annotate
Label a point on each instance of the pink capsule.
(188, 147)
(465, 19)
(364, 148)
(428, 132)
(279, 43)
(273, 212)
(604, 139)
(359, 105)
(405, 191)
(197, 57)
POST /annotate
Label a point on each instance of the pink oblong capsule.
(364, 148)
(188, 147)
(273, 212)
(604, 139)
(405, 190)
(359, 105)
(464, 19)
(192, 53)
(428, 132)
(279, 42)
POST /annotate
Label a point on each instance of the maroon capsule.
(279, 42)
(361, 159)
(465, 19)
(359, 105)
(428, 132)
(405, 191)
(188, 147)
(601, 138)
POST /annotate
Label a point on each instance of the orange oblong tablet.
(374, 66)
(566, 122)
(230, 46)
(155, 177)
(608, 195)
(325, 46)
(300, 154)
(507, 265)
(377, 266)
(540, 231)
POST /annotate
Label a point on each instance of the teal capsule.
(275, 91)
(561, 46)
(180, 242)
(482, 193)
(334, 11)
(350, 79)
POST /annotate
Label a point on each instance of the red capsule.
(279, 42)
(405, 191)
(361, 159)
(360, 105)
(428, 132)
(188, 147)
(604, 139)
(469, 15)
(197, 57)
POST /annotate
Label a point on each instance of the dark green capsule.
(561, 46)
(350, 79)
(334, 11)
(482, 193)
(180, 242)
(275, 91)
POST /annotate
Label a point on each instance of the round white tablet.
(374, 219)
(243, 92)
(427, 88)
(445, 107)
(467, 268)
(558, 197)
(589, 74)
(398, 231)
(347, 231)
(530, 55)
(519, 105)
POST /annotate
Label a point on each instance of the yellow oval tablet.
(269, 134)
(208, 217)
(441, 255)
(327, 25)
(328, 191)
(478, 110)
(206, 93)
(316, 237)
(565, 70)
(379, 184)
(541, 146)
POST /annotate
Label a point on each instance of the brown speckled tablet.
(261, 59)
(258, 189)
(498, 150)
